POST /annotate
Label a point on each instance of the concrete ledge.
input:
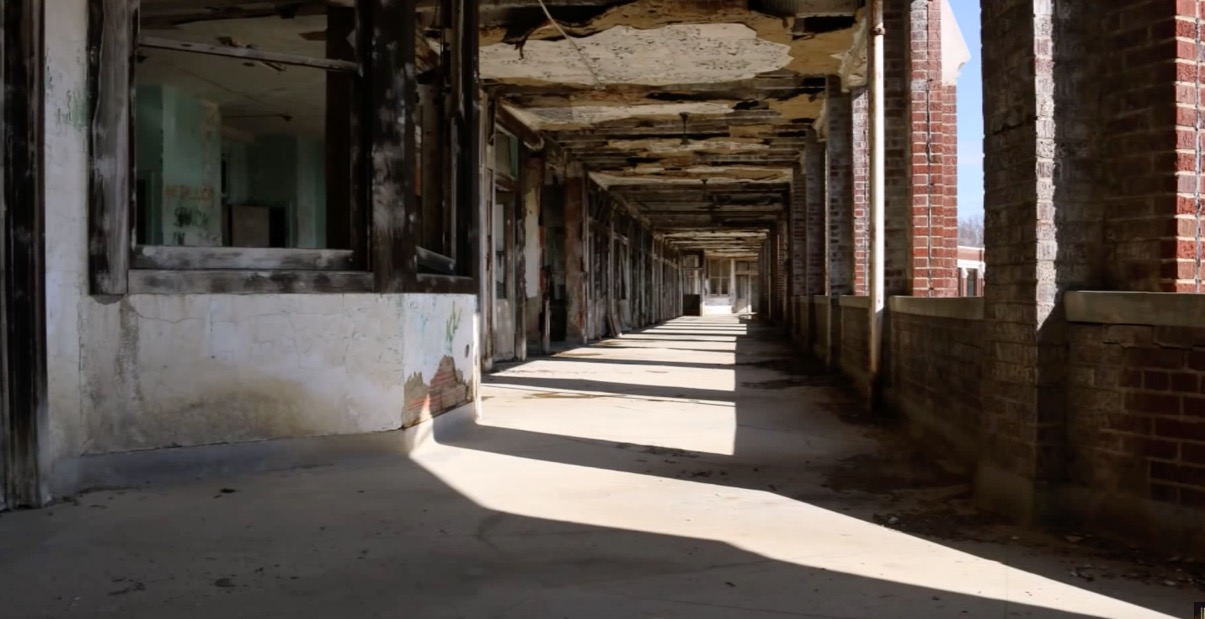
(960, 308)
(855, 302)
(154, 466)
(1158, 309)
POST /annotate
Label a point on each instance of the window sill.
(444, 284)
(145, 281)
(162, 257)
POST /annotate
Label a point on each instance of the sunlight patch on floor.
(755, 521)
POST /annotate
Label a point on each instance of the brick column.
(860, 135)
(1022, 422)
(576, 293)
(797, 222)
(1153, 198)
(782, 284)
(839, 148)
(815, 204)
(922, 226)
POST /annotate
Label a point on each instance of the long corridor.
(691, 470)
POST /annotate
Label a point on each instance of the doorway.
(746, 287)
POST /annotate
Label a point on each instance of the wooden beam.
(466, 133)
(247, 53)
(166, 14)
(779, 85)
(23, 373)
(112, 30)
(346, 216)
(714, 187)
(393, 100)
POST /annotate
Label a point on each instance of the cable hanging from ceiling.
(598, 81)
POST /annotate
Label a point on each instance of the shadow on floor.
(426, 538)
(751, 467)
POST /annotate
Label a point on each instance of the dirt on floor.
(920, 495)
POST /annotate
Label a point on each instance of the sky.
(970, 114)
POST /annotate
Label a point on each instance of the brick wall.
(839, 147)
(1183, 255)
(934, 379)
(933, 144)
(819, 320)
(855, 344)
(1152, 144)
(1020, 423)
(1136, 397)
(447, 391)
(898, 148)
(814, 170)
(860, 129)
(798, 236)
(921, 173)
(782, 250)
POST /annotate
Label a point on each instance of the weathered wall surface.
(439, 354)
(935, 371)
(819, 318)
(1133, 439)
(921, 207)
(154, 371)
(855, 340)
(1136, 426)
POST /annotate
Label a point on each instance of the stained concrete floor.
(692, 470)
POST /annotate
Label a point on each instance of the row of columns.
(1093, 161)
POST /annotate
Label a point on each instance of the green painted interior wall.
(150, 159)
(180, 152)
(192, 170)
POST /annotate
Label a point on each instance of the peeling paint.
(580, 116)
(627, 55)
(74, 110)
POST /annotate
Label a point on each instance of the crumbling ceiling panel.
(627, 55)
(692, 113)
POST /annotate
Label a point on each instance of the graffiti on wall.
(439, 363)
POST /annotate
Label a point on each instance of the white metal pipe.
(877, 201)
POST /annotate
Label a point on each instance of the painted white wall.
(153, 371)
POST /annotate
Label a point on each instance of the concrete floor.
(687, 471)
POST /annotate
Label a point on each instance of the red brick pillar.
(1153, 219)
(921, 211)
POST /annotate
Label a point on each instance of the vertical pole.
(877, 187)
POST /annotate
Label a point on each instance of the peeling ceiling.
(692, 113)
(627, 55)
(577, 117)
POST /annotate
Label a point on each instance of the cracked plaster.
(157, 371)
